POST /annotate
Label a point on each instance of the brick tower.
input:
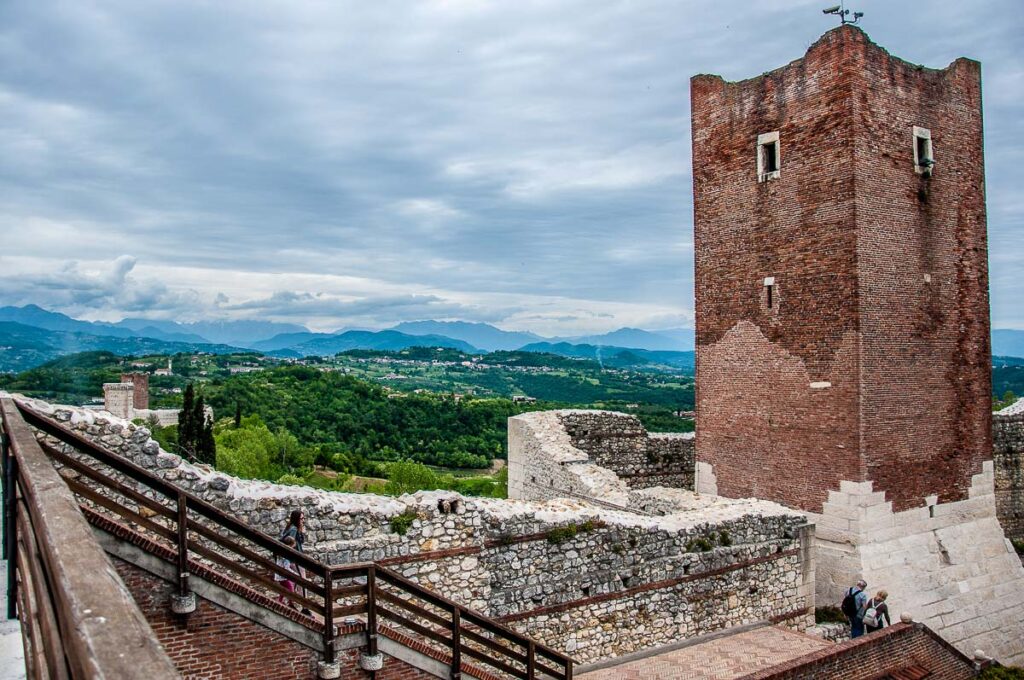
(140, 392)
(843, 360)
(841, 277)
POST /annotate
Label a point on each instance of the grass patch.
(561, 534)
(400, 523)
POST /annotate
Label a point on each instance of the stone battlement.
(593, 581)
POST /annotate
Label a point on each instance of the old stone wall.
(947, 564)
(620, 443)
(604, 457)
(544, 567)
(1008, 456)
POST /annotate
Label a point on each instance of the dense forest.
(351, 416)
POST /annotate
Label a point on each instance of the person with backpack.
(853, 605)
(875, 613)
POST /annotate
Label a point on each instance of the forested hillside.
(354, 416)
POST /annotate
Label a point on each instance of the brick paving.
(732, 656)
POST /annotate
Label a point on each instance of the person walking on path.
(853, 607)
(875, 614)
(295, 529)
(287, 565)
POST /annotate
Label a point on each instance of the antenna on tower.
(843, 14)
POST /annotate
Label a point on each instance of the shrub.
(1018, 545)
(400, 523)
(701, 544)
(829, 615)
(561, 534)
(1002, 673)
(724, 539)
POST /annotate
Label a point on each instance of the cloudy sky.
(362, 163)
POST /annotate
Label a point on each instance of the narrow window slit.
(771, 157)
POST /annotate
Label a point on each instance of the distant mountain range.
(326, 344)
(23, 347)
(481, 335)
(237, 333)
(31, 335)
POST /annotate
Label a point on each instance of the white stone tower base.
(949, 565)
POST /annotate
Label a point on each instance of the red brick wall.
(876, 654)
(926, 365)
(218, 644)
(833, 232)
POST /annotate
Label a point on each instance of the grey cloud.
(374, 310)
(538, 150)
(72, 289)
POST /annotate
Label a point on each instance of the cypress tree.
(238, 414)
(186, 426)
(206, 447)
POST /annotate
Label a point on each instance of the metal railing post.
(456, 643)
(371, 611)
(329, 615)
(531, 660)
(182, 545)
(10, 524)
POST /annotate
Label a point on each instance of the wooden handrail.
(93, 627)
(504, 650)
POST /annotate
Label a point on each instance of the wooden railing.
(198, 534)
(78, 620)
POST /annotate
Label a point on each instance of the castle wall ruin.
(1008, 456)
(582, 578)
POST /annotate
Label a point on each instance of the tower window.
(769, 158)
(924, 160)
(770, 302)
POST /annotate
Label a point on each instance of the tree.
(408, 477)
(238, 414)
(195, 429)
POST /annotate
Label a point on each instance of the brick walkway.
(731, 656)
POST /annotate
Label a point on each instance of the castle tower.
(140, 393)
(843, 360)
(841, 277)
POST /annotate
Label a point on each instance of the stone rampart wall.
(574, 575)
(620, 443)
(601, 456)
(1008, 455)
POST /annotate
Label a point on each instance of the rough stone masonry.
(594, 581)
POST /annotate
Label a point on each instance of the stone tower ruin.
(842, 277)
(843, 359)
